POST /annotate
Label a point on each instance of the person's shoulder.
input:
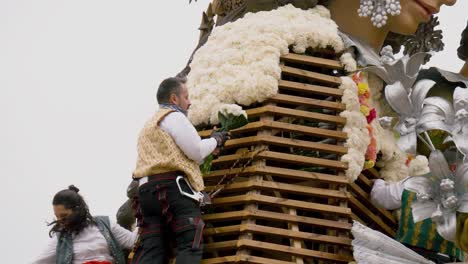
(175, 116)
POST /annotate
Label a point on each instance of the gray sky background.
(77, 81)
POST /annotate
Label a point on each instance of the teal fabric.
(423, 234)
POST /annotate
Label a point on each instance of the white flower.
(239, 64)
(356, 129)
(232, 109)
(348, 62)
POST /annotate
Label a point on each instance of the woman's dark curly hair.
(463, 49)
(80, 217)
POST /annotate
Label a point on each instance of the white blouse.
(90, 245)
(387, 194)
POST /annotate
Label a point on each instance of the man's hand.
(220, 136)
(216, 152)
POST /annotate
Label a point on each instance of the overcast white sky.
(77, 81)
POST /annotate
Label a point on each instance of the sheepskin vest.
(158, 153)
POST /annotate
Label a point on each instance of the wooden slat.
(373, 173)
(260, 260)
(254, 112)
(216, 246)
(273, 216)
(220, 260)
(284, 188)
(314, 61)
(266, 230)
(303, 101)
(364, 211)
(281, 172)
(309, 88)
(273, 231)
(244, 259)
(306, 130)
(285, 142)
(270, 247)
(224, 230)
(314, 76)
(365, 181)
(263, 199)
(363, 196)
(288, 158)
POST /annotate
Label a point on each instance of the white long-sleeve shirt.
(90, 245)
(186, 137)
(387, 194)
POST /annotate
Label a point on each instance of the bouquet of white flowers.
(230, 117)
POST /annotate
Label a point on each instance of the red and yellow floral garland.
(370, 113)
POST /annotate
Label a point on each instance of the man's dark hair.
(169, 86)
(80, 217)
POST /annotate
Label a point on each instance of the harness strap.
(162, 198)
(200, 225)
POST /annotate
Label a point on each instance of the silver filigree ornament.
(447, 190)
(400, 76)
(459, 131)
(379, 10)
(440, 194)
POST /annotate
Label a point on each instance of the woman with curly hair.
(80, 238)
(463, 51)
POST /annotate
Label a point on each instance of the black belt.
(171, 175)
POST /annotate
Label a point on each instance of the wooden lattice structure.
(292, 204)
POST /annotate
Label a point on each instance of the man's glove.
(220, 136)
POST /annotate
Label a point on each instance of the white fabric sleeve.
(186, 137)
(125, 238)
(387, 194)
(48, 255)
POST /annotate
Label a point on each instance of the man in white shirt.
(169, 146)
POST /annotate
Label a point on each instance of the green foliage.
(231, 122)
(228, 123)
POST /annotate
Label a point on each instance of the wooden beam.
(221, 260)
(283, 173)
(364, 211)
(304, 101)
(288, 158)
(368, 183)
(274, 201)
(363, 196)
(309, 88)
(274, 216)
(285, 188)
(276, 110)
(223, 230)
(266, 230)
(314, 76)
(244, 259)
(270, 247)
(217, 246)
(287, 127)
(285, 142)
(273, 231)
(314, 61)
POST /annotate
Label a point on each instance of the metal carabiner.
(197, 196)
